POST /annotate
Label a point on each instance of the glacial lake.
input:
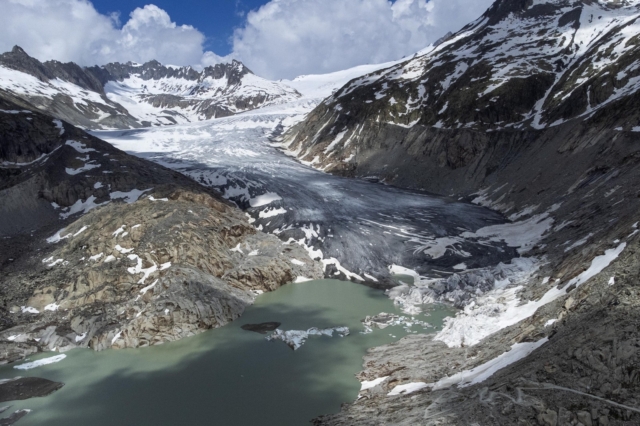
(227, 376)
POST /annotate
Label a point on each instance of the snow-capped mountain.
(523, 65)
(135, 95)
(171, 95)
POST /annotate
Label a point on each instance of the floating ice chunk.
(40, 362)
(372, 383)
(296, 338)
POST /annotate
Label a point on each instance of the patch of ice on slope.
(502, 308)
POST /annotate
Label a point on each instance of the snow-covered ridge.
(124, 96)
(573, 49)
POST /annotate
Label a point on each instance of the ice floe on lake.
(296, 338)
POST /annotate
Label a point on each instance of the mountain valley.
(494, 173)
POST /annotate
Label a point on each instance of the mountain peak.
(17, 50)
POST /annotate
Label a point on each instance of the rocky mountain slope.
(523, 70)
(135, 95)
(105, 250)
(530, 110)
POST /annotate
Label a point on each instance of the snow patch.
(264, 199)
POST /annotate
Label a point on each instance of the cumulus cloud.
(282, 39)
(286, 38)
(72, 30)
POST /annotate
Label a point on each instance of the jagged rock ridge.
(523, 65)
(135, 95)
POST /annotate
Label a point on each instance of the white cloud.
(72, 30)
(286, 38)
(282, 39)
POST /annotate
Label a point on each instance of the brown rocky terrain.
(119, 252)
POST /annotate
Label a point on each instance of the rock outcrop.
(106, 250)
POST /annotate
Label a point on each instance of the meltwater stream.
(227, 376)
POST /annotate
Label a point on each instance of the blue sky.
(277, 39)
(215, 18)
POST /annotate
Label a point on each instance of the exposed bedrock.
(106, 250)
